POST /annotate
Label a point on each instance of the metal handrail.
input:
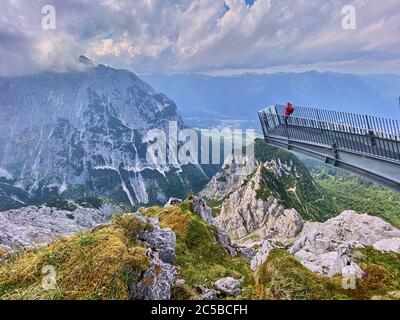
(368, 122)
(333, 124)
(358, 139)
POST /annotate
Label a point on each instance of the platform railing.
(389, 128)
(362, 134)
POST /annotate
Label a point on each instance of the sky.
(207, 36)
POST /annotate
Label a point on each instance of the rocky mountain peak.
(85, 60)
(85, 135)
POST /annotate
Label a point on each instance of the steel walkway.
(365, 145)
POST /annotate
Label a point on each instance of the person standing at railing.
(372, 136)
(289, 109)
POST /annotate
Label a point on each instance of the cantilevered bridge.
(365, 145)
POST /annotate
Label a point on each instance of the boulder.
(327, 247)
(388, 245)
(180, 282)
(283, 224)
(162, 241)
(173, 202)
(157, 281)
(207, 294)
(228, 286)
(36, 226)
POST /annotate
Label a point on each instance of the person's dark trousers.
(286, 119)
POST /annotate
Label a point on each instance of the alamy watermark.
(49, 280)
(49, 21)
(349, 17)
(349, 282)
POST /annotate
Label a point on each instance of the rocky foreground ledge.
(327, 247)
(39, 225)
(126, 256)
(182, 252)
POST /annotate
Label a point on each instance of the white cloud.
(4, 173)
(200, 35)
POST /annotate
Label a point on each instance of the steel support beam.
(382, 171)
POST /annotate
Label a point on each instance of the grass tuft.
(183, 292)
(3, 251)
(282, 277)
(98, 265)
(201, 259)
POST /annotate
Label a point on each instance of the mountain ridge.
(84, 133)
(203, 99)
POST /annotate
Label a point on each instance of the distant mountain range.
(213, 100)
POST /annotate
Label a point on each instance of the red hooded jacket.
(289, 109)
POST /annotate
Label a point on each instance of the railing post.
(261, 115)
(265, 121)
(319, 121)
(277, 115)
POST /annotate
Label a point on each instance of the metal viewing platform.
(365, 145)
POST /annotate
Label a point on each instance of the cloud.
(200, 35)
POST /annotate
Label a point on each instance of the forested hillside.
(352, 192)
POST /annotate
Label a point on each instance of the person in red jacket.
(289, 109)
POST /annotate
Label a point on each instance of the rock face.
(157, 281)
(223, 239)
(200, 207)
(161, 240)
(34, 226)
(286, 224)
(228, 286)
(326, 248)
(86, 133)
(244, 214)
(246, 200)
(160, 277)
(228, 178)
(250, 202)
(252, 216)
(262, 254)
(388, 245)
